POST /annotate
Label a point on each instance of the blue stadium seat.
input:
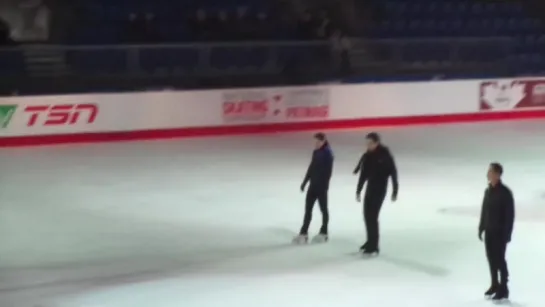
(11, 63)
(430, 18)
(97, 61)
(169, 59)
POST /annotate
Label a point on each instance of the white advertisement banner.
(100, 113)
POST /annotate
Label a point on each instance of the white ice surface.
(207, 222)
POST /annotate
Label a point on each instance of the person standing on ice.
(497, 220)
(318, 175)
(374, 167)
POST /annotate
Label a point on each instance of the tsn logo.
(62, 114)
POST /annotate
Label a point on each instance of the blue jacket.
(321, 168)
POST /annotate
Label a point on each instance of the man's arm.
(306, 179)
(329, 166)
(359, 165)
(483, 209)
(363, 175)
(509, 214)
(393, 173)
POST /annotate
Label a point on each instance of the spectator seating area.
(478, 19)
(405, 31)
(114, 21)
(406, 18)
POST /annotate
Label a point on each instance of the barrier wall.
(116, 117)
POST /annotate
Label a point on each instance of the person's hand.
(394, 197)
(481, 234)
(358, 198)
(303, 187)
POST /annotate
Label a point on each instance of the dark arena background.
(152, 151)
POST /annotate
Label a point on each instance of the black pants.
(372, 203)
(314, 194)
(495, 253)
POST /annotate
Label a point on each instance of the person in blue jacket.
(318, 175)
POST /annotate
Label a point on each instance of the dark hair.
(497, 168)
(320, 136)
(373, 136)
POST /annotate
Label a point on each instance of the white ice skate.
(319, 238)
(300, 239)
(370, 253)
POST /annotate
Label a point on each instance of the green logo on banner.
(6, 112)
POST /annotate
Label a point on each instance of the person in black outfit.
(318, 174)
(375, 167)
(497, 219)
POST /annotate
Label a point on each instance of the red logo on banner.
(509, 95)
(250, 105)
(267, 106)
(307, 103)
(61, 115)
(307, 112)
(245, 108)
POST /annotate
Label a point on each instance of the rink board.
(171, 114)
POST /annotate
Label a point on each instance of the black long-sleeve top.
(498, 211)
(375, 167)
(321, 168)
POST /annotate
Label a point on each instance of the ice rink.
(208, 222)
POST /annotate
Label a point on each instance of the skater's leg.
(367, 217)
(322, 202)
(376, 212)
(372, 242)
(375, 204)
(491, 255)
(309, 205)
(498, 248)
(502, 262)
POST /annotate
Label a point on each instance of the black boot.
(492, 290)
(363, 247)
(502, 293)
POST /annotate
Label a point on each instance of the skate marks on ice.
(416, 266)
(343, 243)
(488, 302)
(525, 213)
(406, 264)
(528, 210)
(254, 259)
(38, 283)
(126, 270)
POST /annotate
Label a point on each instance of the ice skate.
(363, 247)
(502, 294)
(300, 239)
(370, 252)
(491, 291)
(320, 238)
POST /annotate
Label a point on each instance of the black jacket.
(320, 168)
(498, 212)
(375, 167)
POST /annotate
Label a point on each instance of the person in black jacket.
(375, 167)
(497, 220)
(318, 174)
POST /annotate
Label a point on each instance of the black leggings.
(314, 194)
(495, 253)
(372, 204)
